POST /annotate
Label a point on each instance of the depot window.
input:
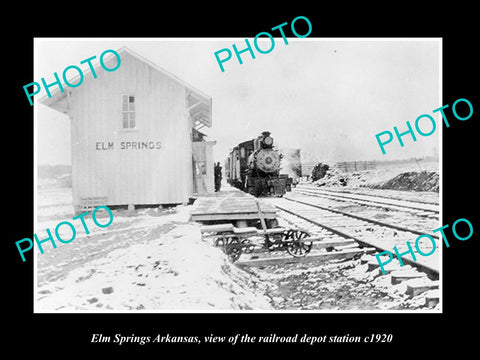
(128, 111)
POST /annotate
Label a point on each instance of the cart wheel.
(219, 242)
(247, 246)
(298, 247)
(274, 242)
(233, 249)
(272, 223)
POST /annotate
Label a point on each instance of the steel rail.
(376, 203)
(329, 190)
(423, 267)
(401, 228)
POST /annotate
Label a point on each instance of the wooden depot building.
(135, 136)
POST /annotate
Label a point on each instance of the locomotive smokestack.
(266, 133)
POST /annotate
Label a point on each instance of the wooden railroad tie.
(432, 298)
(421, 285)
(345, 254)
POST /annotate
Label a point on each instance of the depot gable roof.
(199, 104)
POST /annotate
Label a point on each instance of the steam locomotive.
(254, 167)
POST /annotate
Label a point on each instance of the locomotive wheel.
(297, 247)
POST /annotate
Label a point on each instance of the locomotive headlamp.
(268, 140)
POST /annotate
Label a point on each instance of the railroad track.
(330, 224)
(425, 209)
(336, 237)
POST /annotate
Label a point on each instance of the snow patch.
(176, 271)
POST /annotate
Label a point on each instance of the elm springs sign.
(128, 145)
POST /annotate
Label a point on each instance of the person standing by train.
(218, 176)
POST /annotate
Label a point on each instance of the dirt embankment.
(412, 181)
(395, 178)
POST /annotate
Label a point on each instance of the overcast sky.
(328, 97)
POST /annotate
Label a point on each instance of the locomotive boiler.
(254, 167)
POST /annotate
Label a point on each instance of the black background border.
(59, 333)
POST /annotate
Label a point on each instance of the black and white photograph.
(262, 187)
(222, 180)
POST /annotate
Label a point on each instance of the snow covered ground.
(153, 260)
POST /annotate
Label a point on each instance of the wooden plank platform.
(215, 229)
(311, 258)
(231, 205)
